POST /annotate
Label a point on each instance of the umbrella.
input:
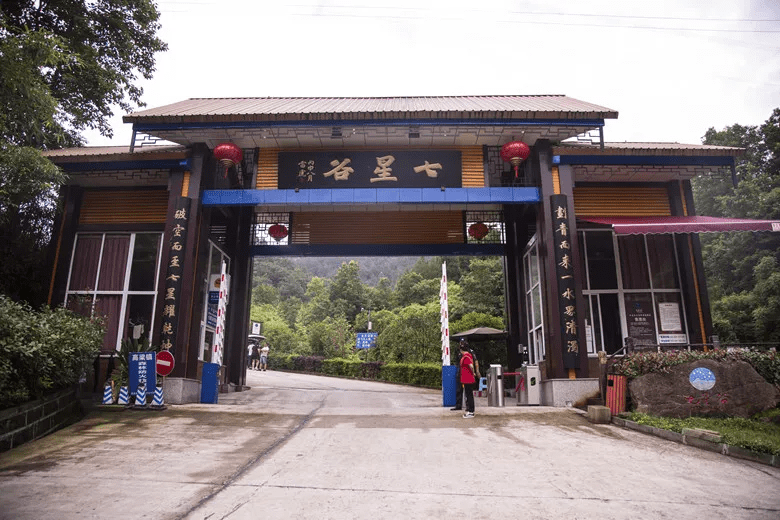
(480, 334)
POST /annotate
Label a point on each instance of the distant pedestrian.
(255, 356)
(264, 356)
(467, 378)
(249, 354)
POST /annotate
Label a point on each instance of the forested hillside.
(743, 269)
(307, 314)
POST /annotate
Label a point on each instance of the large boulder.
(736, 390)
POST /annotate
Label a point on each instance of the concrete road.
(309, 447)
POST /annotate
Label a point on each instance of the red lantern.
(228, 155)
(277, 231)
(478, 230)
(515, 153)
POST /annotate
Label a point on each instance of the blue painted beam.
(358, 196)
(644, 160)
(380, 250)
(162, 164)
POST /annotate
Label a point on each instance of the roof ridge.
(380, 97)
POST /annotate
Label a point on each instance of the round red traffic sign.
(164, 365)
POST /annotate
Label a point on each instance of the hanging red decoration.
(478, 230)
(277, 231)
(228, 155)
(515, 152)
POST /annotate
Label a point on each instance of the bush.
(42, 351)
(419, 374)
(766, 363)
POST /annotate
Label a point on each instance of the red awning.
(658, 225)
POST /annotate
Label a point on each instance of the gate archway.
(386, 176)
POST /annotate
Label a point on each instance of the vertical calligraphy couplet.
(173, 274)
(564, 274)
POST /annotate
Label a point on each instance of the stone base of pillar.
(180, 390)
(569, 392)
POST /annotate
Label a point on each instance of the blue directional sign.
(142, 371)
(366, 339)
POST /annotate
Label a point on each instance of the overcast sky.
(672, 69)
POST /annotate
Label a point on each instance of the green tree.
(28, 185)
(280, 336)
(381, 296)
(332, 337)
(483, 286)
(281, 273)
(317, 306)
(347, 292)
(414, 336)
(731, 260)
(104, 46)
(65, 66)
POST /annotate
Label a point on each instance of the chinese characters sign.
(640, 319)
(141, 371)
(366, 340)
(370, 169)
(174, 273)
(564, 273)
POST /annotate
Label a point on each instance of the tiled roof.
(343, 108)
(106, 153)
(629, 148)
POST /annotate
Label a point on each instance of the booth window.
(115, 276)
(534, 302)
(631, 289)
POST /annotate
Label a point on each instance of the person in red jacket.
(467, 378)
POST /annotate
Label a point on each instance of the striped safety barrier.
(158, 396)
(124, 396)
(108, 395)
(140, 396)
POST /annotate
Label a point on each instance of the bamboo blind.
(124, 207)
(621, 201)
(374, 227)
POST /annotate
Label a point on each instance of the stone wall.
(36, 419)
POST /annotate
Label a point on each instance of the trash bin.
(495, 386)
(529, 391)
(616, 394)
(209, 388)
(449, 385)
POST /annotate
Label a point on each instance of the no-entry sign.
(164, 364)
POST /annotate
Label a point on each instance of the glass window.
(144, 268)
(113, 262)
(103, 287)
(647, 298)
(610, 322)
(601, 260)
(86, 255)
(138, 319)
(633, 262)
(663, 268)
